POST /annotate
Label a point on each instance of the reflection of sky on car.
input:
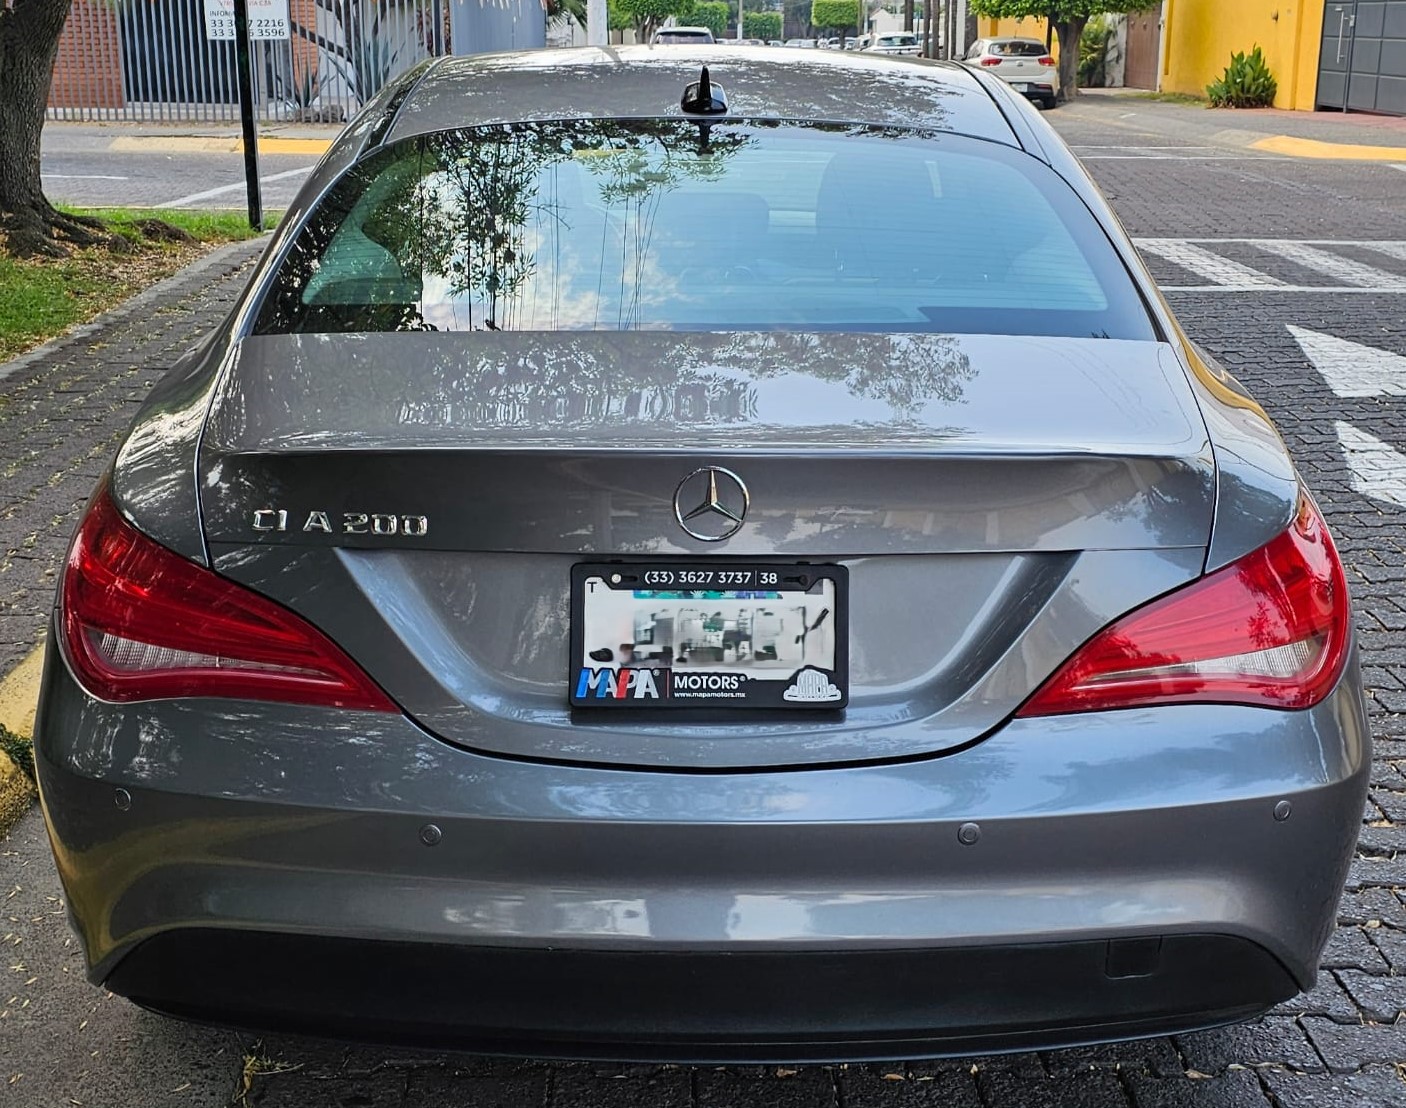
(587, 257)
(558, 293)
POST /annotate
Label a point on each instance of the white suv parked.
(691, 36)
(892, 42)
(1023, 63)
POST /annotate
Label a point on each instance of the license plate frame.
(775, 636)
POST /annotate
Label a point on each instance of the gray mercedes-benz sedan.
(702, 565)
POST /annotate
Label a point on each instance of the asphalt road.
(154, 165)
(1292, 272)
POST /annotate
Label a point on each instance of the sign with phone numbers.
(268, 19)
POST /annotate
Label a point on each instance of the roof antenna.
(702, 97)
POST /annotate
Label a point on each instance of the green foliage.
(763, 25)
(1056, 10)
(837, 14)
(616, 18)
(712, 14)
(1246, 83)
(1093, 53)
(645, 16)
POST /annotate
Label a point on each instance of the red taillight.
(1270, 629)
(990, 61)
(141, 623)
(1047, 60)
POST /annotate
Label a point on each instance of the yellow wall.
(986, 27)
(1200, 35)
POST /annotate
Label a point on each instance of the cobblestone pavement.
(1338, 1047)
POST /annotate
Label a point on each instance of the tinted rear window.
(1019, 49)
(669, 225)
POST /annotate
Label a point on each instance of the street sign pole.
(244, 70)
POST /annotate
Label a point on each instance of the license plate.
(693, 635)
(1020, 86)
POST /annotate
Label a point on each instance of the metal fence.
(150, 60)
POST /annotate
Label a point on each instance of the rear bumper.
(270, 865)
(1034, 91)
(706, 1007)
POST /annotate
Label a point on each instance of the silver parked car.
(1025, 63)
(682, 583)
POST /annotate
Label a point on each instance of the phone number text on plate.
(716, 578)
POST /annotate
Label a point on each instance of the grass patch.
(209, 227)
(43, 297)
(20, 750)
(1171, 98)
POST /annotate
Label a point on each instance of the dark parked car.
(651, 569)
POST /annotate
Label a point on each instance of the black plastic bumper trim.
(704, 1006)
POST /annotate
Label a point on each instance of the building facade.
(1325, 54)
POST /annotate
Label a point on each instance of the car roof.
(647, 81)
(1016, 38)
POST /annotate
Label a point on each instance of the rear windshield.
(898, 40)
(676, 225)
(683, 36)
(1019, 49)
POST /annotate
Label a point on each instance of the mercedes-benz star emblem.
(711, 503)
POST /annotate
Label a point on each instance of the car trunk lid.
(423, 498)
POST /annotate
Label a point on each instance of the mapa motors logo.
(622, 684)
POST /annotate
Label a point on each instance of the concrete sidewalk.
(1350, 136)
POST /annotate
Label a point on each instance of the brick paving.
(1340, 1046)
(63, 411)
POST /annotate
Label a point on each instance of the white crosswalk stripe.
(1207, 258)
(1216, 268)
(1377, 470)
(1346, 270)
(1395, 250)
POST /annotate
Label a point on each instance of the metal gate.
(150, 60)
(1362, 63)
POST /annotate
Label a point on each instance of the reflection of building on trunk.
(710, 634)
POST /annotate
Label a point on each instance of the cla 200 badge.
(347, 523)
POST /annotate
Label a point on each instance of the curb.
(206, 144)
(221, 255)
(1342, 151)
(17, 793)
(18, 693)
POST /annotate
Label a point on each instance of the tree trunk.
(1070, 32)
(29, 41)
(907, 15)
